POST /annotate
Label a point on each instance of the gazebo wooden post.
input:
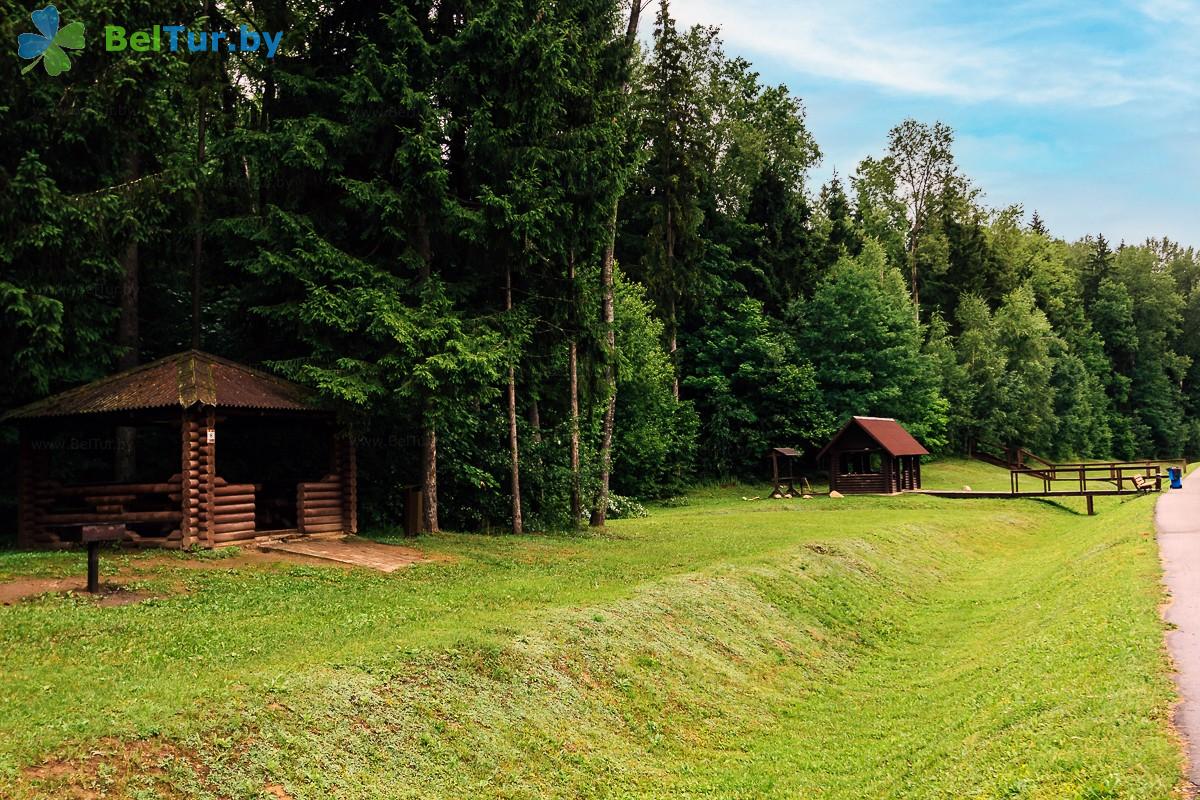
(349, 476)
(27, 478)
(343, 467)
(189, 485)
(198, 486)
(208, 473)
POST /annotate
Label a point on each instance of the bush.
(621, 507)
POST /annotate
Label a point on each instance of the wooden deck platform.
(1018, 495)
(1088, 494)
(349, 550)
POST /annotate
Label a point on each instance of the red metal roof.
(887, 432)
(183, 380)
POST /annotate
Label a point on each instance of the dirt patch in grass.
(251, 556)
(116, 591)
(113, 768)
(13, 591)
(247, 557)
(21, 588)
(110, 594)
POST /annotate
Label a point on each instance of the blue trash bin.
(1176, 475)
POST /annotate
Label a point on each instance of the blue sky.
(1088, 112)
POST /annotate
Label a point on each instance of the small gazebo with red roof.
(180, 401)
(873, 455)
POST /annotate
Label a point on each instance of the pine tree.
(674, 108)
(859, 331)
(842, 236)
(1097, 268)
(1036, 225)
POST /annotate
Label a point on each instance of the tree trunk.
(600, 510)
(573, 379)
(198, 220)
(428, 426)
(429, 476)
(671, 325)
(535, 421)
(600, 507)
(424, 246)
(539, 464)
(127, 331)
(916, 300)
(512, 419)
(673, 344)
(128, 335)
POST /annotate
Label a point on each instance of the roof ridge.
(262, 373)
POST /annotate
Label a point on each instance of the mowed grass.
(863, 647)
(958, 474)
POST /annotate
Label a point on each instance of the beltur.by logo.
(47, 46)
(174, 38)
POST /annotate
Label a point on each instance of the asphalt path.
(1177, 518)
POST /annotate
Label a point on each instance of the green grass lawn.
(863, 647)
(960, 473)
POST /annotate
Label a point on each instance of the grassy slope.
(959, 473)
(867, 647)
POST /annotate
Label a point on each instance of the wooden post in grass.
(92, 536)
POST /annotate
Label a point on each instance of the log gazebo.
(291, 469)
(873, 455)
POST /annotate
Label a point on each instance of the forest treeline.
(536, 252)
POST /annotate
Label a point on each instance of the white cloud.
(1086, 111)
(1178, 11)
(907, 48)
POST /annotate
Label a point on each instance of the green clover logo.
(47, 46)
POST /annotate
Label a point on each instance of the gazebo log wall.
(862, 482)
(233, 509)
(331, 504)
(51, 509)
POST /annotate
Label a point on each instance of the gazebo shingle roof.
(182, 380)
(887, 433)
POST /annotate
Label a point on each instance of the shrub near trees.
(411, 209)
